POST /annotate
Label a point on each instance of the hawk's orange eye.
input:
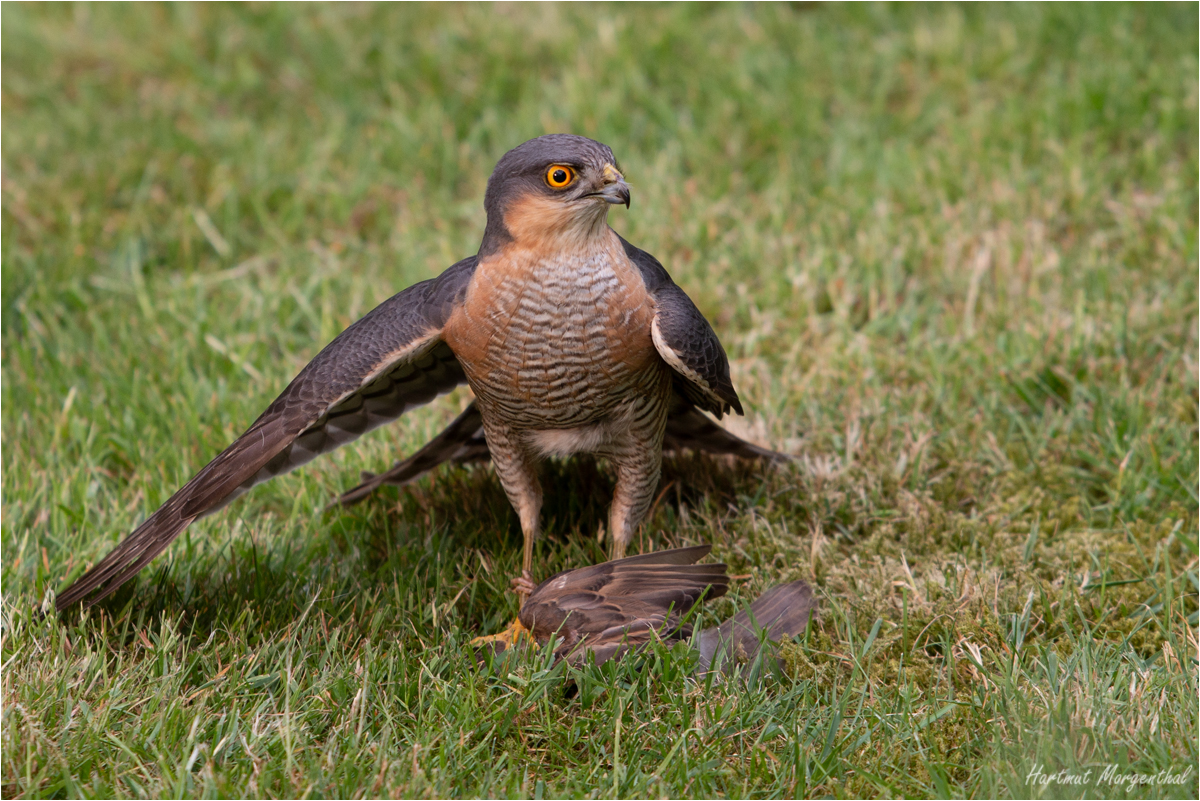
(559, 175)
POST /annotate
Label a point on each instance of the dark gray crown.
(536, 154)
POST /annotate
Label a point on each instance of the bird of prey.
(604, 611)
(572, 340)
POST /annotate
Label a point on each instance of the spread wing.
(690, 429)
(461, 442)
(686, 341)
(390, 361)
(609, 608)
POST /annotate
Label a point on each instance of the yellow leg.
(617, 551)
(516, 633)
(524, 585)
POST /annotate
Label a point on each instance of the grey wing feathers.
(685, 340)
(386, 363)
(461, 442)
(779, 613)
(690, 429)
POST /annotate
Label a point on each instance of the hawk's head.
(553, 191)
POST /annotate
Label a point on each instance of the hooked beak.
(615, 189)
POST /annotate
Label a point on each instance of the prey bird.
(605, 611)
(571, 339)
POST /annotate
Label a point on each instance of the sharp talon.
(512, 636)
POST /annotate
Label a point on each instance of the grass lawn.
(951, 251)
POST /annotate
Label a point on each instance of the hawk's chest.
(534, 326)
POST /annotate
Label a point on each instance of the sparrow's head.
(553, 191)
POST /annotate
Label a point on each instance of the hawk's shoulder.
(685, 340)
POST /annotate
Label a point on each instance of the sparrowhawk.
(572, 340)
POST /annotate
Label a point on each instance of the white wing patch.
(677, 364)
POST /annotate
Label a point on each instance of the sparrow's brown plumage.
(604, 611)
(572, 339)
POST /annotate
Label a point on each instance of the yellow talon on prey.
(509, 638)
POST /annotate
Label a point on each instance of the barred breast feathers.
(558, 336)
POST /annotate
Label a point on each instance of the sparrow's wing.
(608, 608)
(390, 361)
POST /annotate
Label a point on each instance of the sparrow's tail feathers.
(779, 613)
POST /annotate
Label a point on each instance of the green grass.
(951, 251)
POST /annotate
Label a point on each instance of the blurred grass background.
(951, 251)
